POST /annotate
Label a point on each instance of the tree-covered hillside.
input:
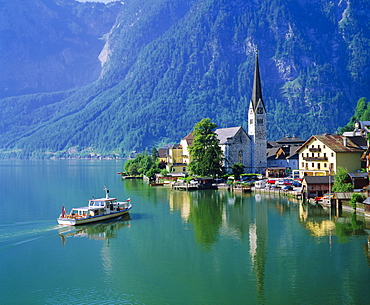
(169, 63)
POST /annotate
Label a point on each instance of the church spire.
(257, 90)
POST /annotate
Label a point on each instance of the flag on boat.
(128, 199)
(63, 211)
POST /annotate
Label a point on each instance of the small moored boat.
(96, 210)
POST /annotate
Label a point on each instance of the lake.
(176, 247)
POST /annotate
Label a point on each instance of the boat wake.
(15, 234)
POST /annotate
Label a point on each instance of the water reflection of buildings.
(98, 231)
(236, 216)
(322, 221)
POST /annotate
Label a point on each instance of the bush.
(356, 197)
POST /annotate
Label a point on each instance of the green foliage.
(185, 60)
(345, 229)
(340, 181)
(205, 152)
(362, 113)
(238, 169)
(142, 164)
(163, 172)
(356, 197)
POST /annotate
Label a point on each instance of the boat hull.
(79, 221)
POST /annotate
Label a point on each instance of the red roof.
(337, 143)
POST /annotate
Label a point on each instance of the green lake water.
(176, 247)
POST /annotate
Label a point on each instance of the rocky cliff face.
(51, 45)
(166, 64)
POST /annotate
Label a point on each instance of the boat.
(96, 210)
(103, 230)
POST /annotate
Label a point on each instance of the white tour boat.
(97, 210)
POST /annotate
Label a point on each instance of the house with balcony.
(321, 155)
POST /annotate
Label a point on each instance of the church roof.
(257, 89)
(224, 133)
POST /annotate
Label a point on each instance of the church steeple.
(257, 89)
(257, 123)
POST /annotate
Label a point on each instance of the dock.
(185, 187)
(279, 192)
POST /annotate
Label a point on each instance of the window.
(325, 165)
(313, 164)
(251, 121)
(318, 165)
(240, 156)
(332, 154)
(313, 155)
(302, 164)
(324, 155)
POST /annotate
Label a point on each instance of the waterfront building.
(248, 148)
(236, 147)
(321, 155)
(282, 156)
(257, 125)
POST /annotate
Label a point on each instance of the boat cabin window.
(79, 212)
(96, 203)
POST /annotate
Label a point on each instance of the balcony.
(314, 149)
(315, 158)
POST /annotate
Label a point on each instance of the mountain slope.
(168, 64)
(51, 45)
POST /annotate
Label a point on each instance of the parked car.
(288, 188)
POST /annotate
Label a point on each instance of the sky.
(105, 1)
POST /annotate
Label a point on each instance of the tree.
(340, 181)
(155, 154)
(205, 152)
(356, 197)
(238, 169)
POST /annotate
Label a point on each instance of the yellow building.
(185, 144)
(321, 155)
(175, 159)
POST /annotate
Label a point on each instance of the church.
(248, 148)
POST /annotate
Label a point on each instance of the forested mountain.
(166, 64)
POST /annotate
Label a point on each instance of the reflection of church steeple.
(258, 233)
